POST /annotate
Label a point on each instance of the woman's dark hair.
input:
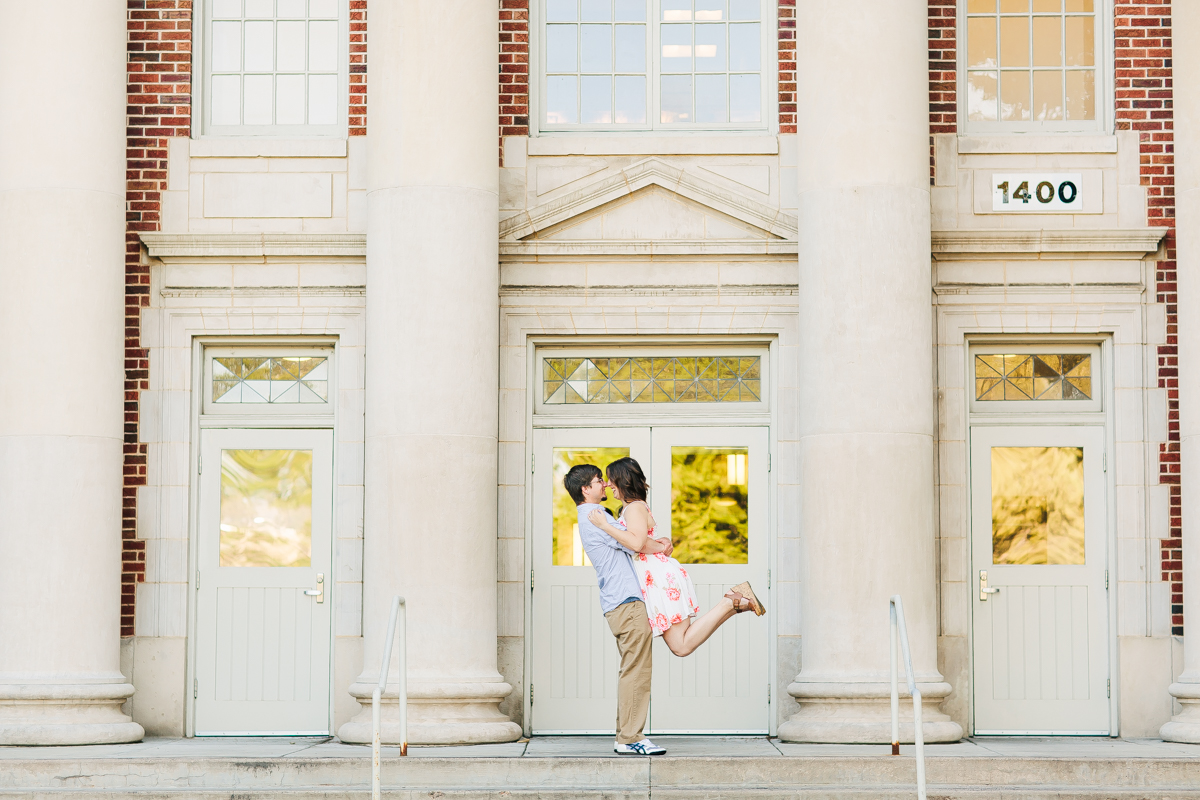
(626, 474)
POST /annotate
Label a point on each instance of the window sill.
(1025, 143)
(262, 147)
(653, 145)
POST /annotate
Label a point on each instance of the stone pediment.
(650, 201)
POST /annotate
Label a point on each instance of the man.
(621, 602)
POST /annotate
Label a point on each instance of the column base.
(443, 713)
(44, 714)
(1184, 726)
(861, 713)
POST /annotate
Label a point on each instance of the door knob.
(984, 591)
(318, 592)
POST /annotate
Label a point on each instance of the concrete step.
(633, 778)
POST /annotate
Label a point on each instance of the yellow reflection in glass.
(266, 508)
(1037, 505)
(567, 547)
(710, 504)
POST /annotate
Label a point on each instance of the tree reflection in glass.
(1037, 505)
(710, 504)
(266, 508)
(568, 547)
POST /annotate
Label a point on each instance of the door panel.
(264, 560)
(723, 685)
(575, 660)
(708, 490)
(1039, 522)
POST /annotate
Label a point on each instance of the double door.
(1040, 585)
(263, 582)
(708, 491)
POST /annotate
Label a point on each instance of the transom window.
(1033, 65)
(268, 380)
(647, 64)
(274, 66)
(1041, 378)
(650, 379)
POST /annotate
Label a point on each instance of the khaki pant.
(630, 626)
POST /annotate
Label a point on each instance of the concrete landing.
(555, 768)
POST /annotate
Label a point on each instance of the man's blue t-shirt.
(612, 560)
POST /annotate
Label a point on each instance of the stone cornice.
(651, 172)
(1056, 243)
(559, 249)
(259, 246)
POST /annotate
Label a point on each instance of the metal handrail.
(402, 691)
(896, 610)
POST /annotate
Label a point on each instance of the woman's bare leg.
(684, 637)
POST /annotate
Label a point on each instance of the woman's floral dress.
(666, 587)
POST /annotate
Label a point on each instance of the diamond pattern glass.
(652, 379)
(270, 379)
(1039, 376)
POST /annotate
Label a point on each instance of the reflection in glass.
(562, 99)
(981, 96)
(745, 43)
(745, 95)
(1043, 376)
(1047, 95)
(710, 48)
(1036, 46)
(595, 102)
(710, 505)
(597, 48)
(981, 42)
(676, 48)
(631, 99)
(710, 98)
(266, 508)
(561, 46)
(1014, 96)
(567, 547)
(631, 48)
(1081, 94)
(675, 99)
(1037, 505)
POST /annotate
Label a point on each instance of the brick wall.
(787, 66)
(1143, 104)
(514, 70)
(943, 71)
(357, 119)
(159, 96)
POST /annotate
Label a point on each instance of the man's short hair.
(578, 477)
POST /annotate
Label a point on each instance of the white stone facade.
(382, 248)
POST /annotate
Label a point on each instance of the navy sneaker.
(643, 748)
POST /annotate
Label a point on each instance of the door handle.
(984, 591)
(318, 592)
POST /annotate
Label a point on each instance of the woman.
(666, 587)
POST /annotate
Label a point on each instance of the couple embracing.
(643, 591)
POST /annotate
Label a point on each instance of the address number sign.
(1036, 192)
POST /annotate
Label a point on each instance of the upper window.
(1033, 65)
(274, 67)
(653, 64)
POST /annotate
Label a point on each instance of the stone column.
(1185, 24)
(866, 353)
(62, 306)
(432, 367)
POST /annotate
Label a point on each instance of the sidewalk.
(601, 747)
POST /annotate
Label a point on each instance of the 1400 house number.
(1036, 193)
